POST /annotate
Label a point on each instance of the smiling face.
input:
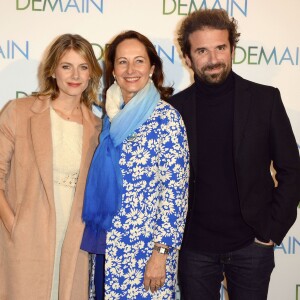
(131, 67)
(211, 55)
(72, 75)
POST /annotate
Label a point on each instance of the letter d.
(235, 55)
(22, 8)
(20, 94)
(170, 12)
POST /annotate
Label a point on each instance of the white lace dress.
(67, 147)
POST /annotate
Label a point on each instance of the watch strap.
(161, 250)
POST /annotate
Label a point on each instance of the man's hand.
(270, 243)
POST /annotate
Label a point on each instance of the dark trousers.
(247, 273)
(99, 276)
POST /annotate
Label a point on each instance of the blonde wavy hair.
(64, 43)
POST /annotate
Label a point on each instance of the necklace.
(74, 115)
(67, 115)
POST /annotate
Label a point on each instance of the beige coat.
(26, 176)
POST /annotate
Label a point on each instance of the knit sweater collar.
(215, 90)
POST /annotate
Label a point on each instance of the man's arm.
(286, 162)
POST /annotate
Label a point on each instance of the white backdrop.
(268, 53)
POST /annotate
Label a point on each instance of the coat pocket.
(15, 220)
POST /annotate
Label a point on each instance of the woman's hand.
(6, 214)
(155, 272)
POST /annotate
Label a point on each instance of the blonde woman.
(46, 145)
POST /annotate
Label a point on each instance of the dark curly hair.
(207, 18)
(157, 77)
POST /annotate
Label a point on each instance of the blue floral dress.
(155, 167)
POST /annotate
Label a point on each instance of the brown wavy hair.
(64, 43)
(207, 18)
(158, 75)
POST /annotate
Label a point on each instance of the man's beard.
(215, 78)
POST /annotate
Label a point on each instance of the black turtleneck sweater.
(216, 218)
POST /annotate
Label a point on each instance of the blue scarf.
(103, 192)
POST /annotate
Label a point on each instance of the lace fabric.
(67, 180)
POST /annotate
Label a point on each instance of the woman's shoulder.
(167, 110)
(18, 103)
(92, 115)
(163, 105)
(22, 101)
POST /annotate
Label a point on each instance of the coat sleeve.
(286, 162)
(173, 176)
(7, 140)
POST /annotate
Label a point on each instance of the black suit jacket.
(262, 133)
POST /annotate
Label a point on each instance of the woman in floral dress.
(136, 195)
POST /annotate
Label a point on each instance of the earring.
(53, 76)
(114, 78)
(150, 77)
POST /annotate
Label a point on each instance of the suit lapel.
(242, 104)
(190, 118)
(42, 143)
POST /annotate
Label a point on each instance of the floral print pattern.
(155, 167)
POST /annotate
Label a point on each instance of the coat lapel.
(91, 130)
(72, 241)
(42, 143)
(242, 104)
